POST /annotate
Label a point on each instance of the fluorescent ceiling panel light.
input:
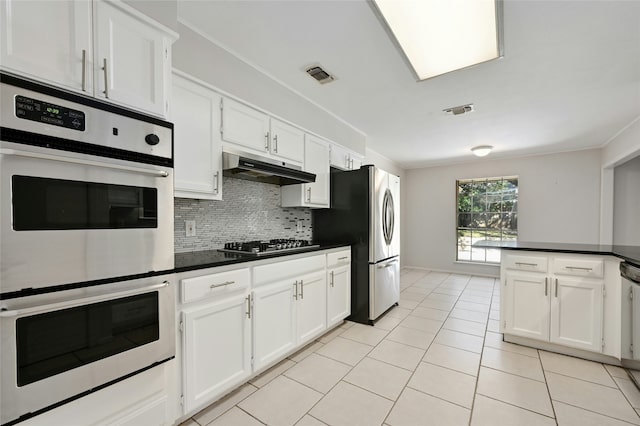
(440, 36)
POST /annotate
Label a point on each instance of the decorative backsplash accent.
(248, 211)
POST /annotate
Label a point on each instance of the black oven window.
(55, 342)
(57, 204)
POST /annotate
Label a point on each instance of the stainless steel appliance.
(86, 241)
(631, 316)
(87, 189)
(261, 248)
(242, 165)
(365, 212)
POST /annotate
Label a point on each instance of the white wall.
(626, 207)
(198, 56)
(558, 201)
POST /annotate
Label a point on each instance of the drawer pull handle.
(221, 284)
(579, 268)
(526, 264)
(343, 257)
(331, 283)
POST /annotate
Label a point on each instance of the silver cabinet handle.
(546, 286)
(221, 284)
(556, 287)
(84, 70)
(275, 143)
(579, 268)
(309, 194)
(295, 290)
(106, 78)
(266, 142)
(301, 289)
(526, 264)
(248, 312)
(82, 301)
(331, 282)
(216, 179)
(156, 173)
(343, 257)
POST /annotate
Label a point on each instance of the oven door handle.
(81, 301)
(156, 173)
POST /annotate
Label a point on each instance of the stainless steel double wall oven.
(86, 246)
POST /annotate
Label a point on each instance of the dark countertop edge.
(629, 254)
(232, 258)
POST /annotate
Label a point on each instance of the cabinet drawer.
(214, 284)
(526, 263)
(578, 267)
(339, 258)
(288, 268)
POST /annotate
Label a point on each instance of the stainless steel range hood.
(260, 169)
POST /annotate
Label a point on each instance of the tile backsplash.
(248, 211)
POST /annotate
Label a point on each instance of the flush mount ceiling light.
(457, 110)
(481, 150)
(440, 36)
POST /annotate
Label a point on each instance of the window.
(487, 210)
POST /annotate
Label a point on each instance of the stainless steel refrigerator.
(365, 213)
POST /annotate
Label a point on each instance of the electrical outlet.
(298, 225)
(190, 226)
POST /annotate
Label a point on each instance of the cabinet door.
(273, 322)
(340, 157)
(287, 141)
(245, 126)
(197, 144)
(316, 160)
(526, 305)
(216, 348)
(576, 312)
(45, 40)
(311, 306)
(137, 58)
(338, 294)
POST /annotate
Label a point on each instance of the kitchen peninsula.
(568, 298)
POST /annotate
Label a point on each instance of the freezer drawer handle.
(386, 265)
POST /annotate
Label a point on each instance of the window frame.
(513, 211)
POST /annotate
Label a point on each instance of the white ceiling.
(569, 79)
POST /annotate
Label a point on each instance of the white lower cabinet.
(216, 335)
(237, 322)
(217, 342)
(338, 286)
(561, 302)
(577, 313)
(526, 305)
(274, 314)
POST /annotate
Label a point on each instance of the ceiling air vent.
(462, 109)
(320, 75)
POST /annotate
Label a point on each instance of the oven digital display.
(45, 112)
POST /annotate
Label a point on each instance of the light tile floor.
(437, 359)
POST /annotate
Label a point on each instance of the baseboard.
(446, 271)
(551, 347)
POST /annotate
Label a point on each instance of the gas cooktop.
(261, 248)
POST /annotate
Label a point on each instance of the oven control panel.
(45, 112)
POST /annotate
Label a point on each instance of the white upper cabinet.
(257, 132)
(136, 57)
(49, 41)
(197, 147)
(245, 126)
(103, 49)
(286, 141)
(343, 159)
(315, 194)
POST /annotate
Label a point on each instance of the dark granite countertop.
(630, 254)
(191, 261)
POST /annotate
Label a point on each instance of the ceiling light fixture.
(481, 150)
(440, 36)
(457, 110)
